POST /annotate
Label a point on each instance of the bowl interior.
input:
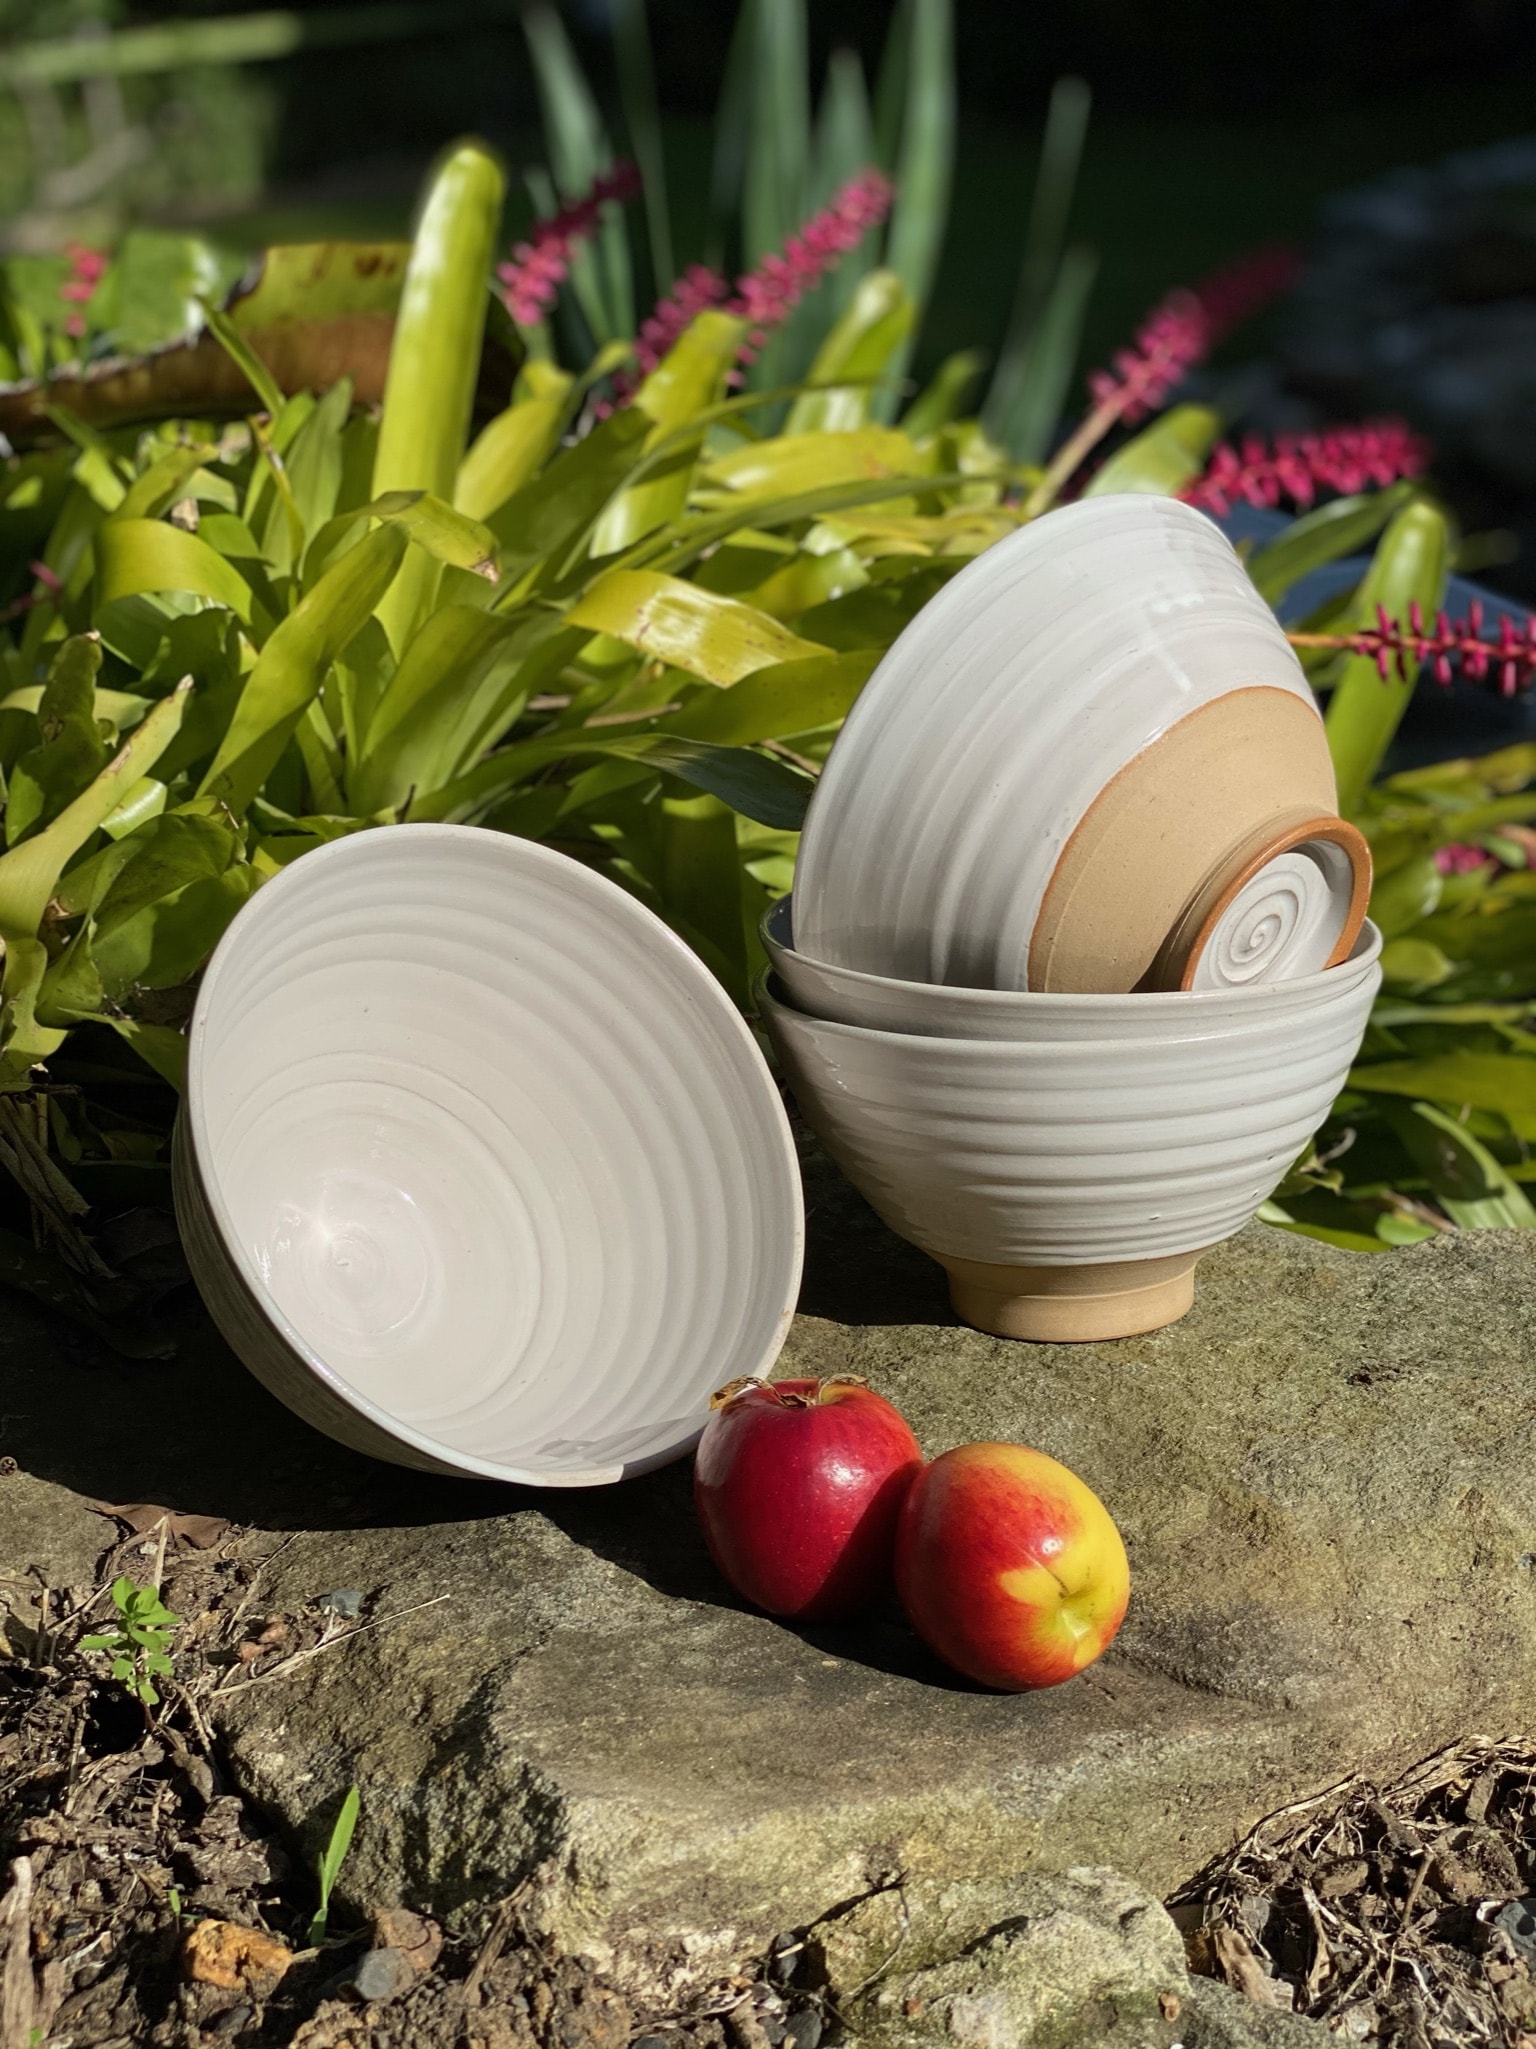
(495, 1151)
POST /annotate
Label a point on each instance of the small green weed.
(331, 1861)
(140, 1645)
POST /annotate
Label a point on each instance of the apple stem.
(787, 1397)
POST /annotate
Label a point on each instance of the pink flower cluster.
(1462, 858)
(768, 295)
(85, 268)
(1297, 466)
(537, 268)
(1181, 331)
(1450, 647)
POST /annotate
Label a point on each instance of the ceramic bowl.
(1090, 763)
(478, 1169)
(1069, 1187)
(936, 1010)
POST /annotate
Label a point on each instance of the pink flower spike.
(531, 280)
(1296, 466)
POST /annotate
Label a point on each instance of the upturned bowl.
(478, 1168)
(1069, 1186)
(1091, 763)
(940, 1011)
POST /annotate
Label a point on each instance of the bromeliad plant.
(627, 620)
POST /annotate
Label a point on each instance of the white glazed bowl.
(478, 1169)
(1090, 1172)
(974, 771)
(937, 1010)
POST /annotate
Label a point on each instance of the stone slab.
(1326, 1480)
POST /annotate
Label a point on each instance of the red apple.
(1009, 1567)
(798, 1485)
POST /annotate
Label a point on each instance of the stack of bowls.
(1077, 956)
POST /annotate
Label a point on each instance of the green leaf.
(701, 882)
(1406, 894)
(245, 359)
(844, 146)
(1464, 1177)
(716, 638)
(860, 347)
(1027, 426)
(447, 535)
(134, 555)
(30, 872)
(1163, 457)
(1066, 126)
(1412, 562)
(331, 1859)
(409, 741)
(774, 702)
(1505, 1082)
(637, 90)
(776, 174)
(71, 751)
(435, 357)
(759, 786)
(1414, 965)
(514, 445)
(924, 160)
(579, 152)
(1320, 537)
(292, 666)
(542, 519)
(793, 464)
(943, 398)
(690, 379)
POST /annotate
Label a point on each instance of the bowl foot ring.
(1058, 1305)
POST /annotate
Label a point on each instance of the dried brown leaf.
(143, 1519)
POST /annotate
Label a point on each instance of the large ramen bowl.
(478, 1168)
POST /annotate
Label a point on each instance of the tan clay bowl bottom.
(1142, 884)
(1067, 1305)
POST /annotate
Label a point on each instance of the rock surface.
(1326, 1481)
(1080, 1959)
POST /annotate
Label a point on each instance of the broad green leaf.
(689, 380)
(513, 446)
(759, 786)
(314, 460)
(445, 534)
(718, 639)
(1464, 1177)
(157, 1046)
(406, 741)
(134, 555)
(1414, 965)
(70, 752)
(944, 396)
(155, 489)
(291, 667)
(1411, 564)
(1320, 537)
(1066, 125)
(1163, 457)
(1505, 1082)
(860, 347)
(1406, 894)
(29, 873)
(701, 882)
(802, 463)
(546, 516)
(435, 357)
(772, 703)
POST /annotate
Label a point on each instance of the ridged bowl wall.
(479, 1170)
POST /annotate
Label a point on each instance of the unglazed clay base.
(1065, 1305)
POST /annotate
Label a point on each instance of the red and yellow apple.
(1009, 1567)
(798, 1484)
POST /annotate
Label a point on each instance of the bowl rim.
(682, 959)
(1365, 952)
(772, 1001)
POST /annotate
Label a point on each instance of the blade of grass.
(579, 151)
(1029, 429)
(1066, 124)
(924, 163)
(637, 90)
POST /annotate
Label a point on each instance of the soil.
(1397, 1914)
(145, 1901)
